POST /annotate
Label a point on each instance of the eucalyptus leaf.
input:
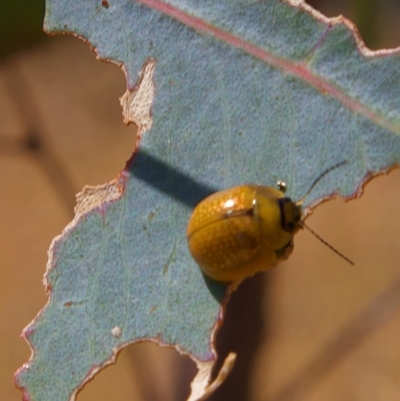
(224, 93)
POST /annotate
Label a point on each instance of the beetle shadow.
(168, 179)
(179, 186)
(217, 290)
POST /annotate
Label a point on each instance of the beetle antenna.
(326, 243)
(328, 170)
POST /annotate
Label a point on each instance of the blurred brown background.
(315, 328)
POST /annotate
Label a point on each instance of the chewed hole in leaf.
(144, 371)
(376, 21)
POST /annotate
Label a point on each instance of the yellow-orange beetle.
(237, 232)
(240, 231)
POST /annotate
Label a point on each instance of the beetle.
(239, 231)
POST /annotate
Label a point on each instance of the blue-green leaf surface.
(244, 92)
